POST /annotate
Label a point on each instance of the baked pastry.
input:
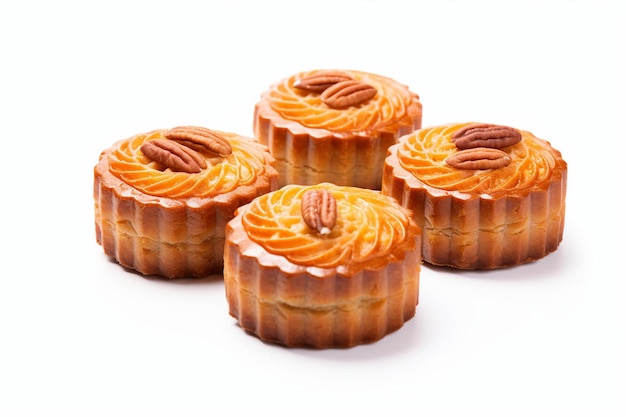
(163, 198)
(322, 266)
(334, 126)
(486, 196)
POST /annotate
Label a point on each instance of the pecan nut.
(200, 139)
(486, 136)
(173, 155)
(479, 158)
(321, 81)
(348, 93)
(319, 210)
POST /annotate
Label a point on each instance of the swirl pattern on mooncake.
(223, 174)
(369, 226)
(390, 104)
(423, 154)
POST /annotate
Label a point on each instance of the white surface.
(82, 337)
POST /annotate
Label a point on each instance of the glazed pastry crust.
(492, 226)
(313, 143)
(171, 237)
(305, 305)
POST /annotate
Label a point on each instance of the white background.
(80, 336)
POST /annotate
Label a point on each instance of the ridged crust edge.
(311, 156)
(481, 231)
(173, 238)
(310, 307)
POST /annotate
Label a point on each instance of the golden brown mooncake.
(296, 277)
(163, 198)
(486, 196)
(334, 126)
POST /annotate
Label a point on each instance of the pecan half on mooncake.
(334, 125)
(163, 198)
(322, 266)
(487, 196)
